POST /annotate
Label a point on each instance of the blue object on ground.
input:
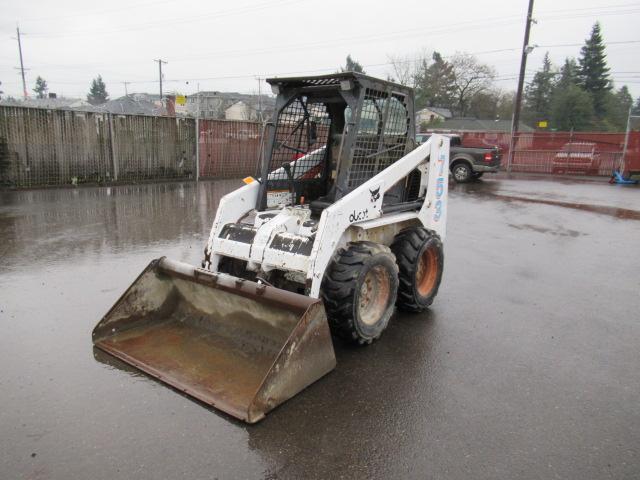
(618, 178)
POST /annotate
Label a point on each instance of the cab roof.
(334, 79)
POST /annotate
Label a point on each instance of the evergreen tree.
(41, 87)
(636, 108)
(98, 92)
(624, 97)
(593, 71)
(436, 84)
(537, 97)
(618, 105)
(506, 102)
(568, 74)
(572, 109)
(484, 105)
(1, 92)
(352, 66)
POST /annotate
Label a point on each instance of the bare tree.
(471, 78)
(408, 69)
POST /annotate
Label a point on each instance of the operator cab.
(330, 134)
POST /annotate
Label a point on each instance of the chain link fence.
(580, 153)
(41, 147)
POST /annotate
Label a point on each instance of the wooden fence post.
(114, 157)
(197, 149)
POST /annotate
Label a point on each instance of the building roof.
(482, 125)
(443, 112)
(135, 105)
(50, 103)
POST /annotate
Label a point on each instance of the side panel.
(434, 210)
(232, 207)
(365, 203)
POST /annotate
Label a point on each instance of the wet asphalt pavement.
(527, 365)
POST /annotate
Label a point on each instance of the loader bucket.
(237, 345)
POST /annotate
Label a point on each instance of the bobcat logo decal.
(375, 194)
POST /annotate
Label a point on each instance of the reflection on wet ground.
(554, 190)
(525, 366)
(50, 225)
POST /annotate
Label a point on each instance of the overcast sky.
(224, 45)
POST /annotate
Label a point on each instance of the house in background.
(238, 111)
(51, 102)
(432, 114)
(241, 111)
(230, 105)
(210, 105)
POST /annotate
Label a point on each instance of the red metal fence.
(589, 153)
(228, 149)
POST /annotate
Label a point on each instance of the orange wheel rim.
(373, 297)
(427, 271)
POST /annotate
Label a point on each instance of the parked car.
(467, 163)
(578, 158)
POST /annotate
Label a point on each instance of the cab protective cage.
(337, 131)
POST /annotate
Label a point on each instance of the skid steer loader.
(343, 222)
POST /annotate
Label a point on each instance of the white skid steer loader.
(344, 222)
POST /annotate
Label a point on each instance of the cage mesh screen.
(381, 136)
(301, 137)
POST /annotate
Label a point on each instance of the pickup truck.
(468, 163)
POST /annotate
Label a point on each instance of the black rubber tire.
(461, 171)
(341, 289)
(477, 175)
(409, 247)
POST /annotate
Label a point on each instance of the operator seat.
(320, 203)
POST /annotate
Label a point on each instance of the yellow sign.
(181, 100)
(542, 124)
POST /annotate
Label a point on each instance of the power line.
(581, 44)
(586, 11)
(502, 77)
(171, 22)
(416, 59)
(588, 15)
(97, 12)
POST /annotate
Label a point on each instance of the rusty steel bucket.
(237, 345)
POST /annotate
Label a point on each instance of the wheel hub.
(460, 173)
(427, 271)
(373, 297)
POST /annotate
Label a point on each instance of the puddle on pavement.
(622, 213)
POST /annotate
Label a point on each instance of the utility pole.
(515, 122)
(260, 99)
(160, 62)
(24, 83)
(198, 133)
(126, 93)
(626, 139)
